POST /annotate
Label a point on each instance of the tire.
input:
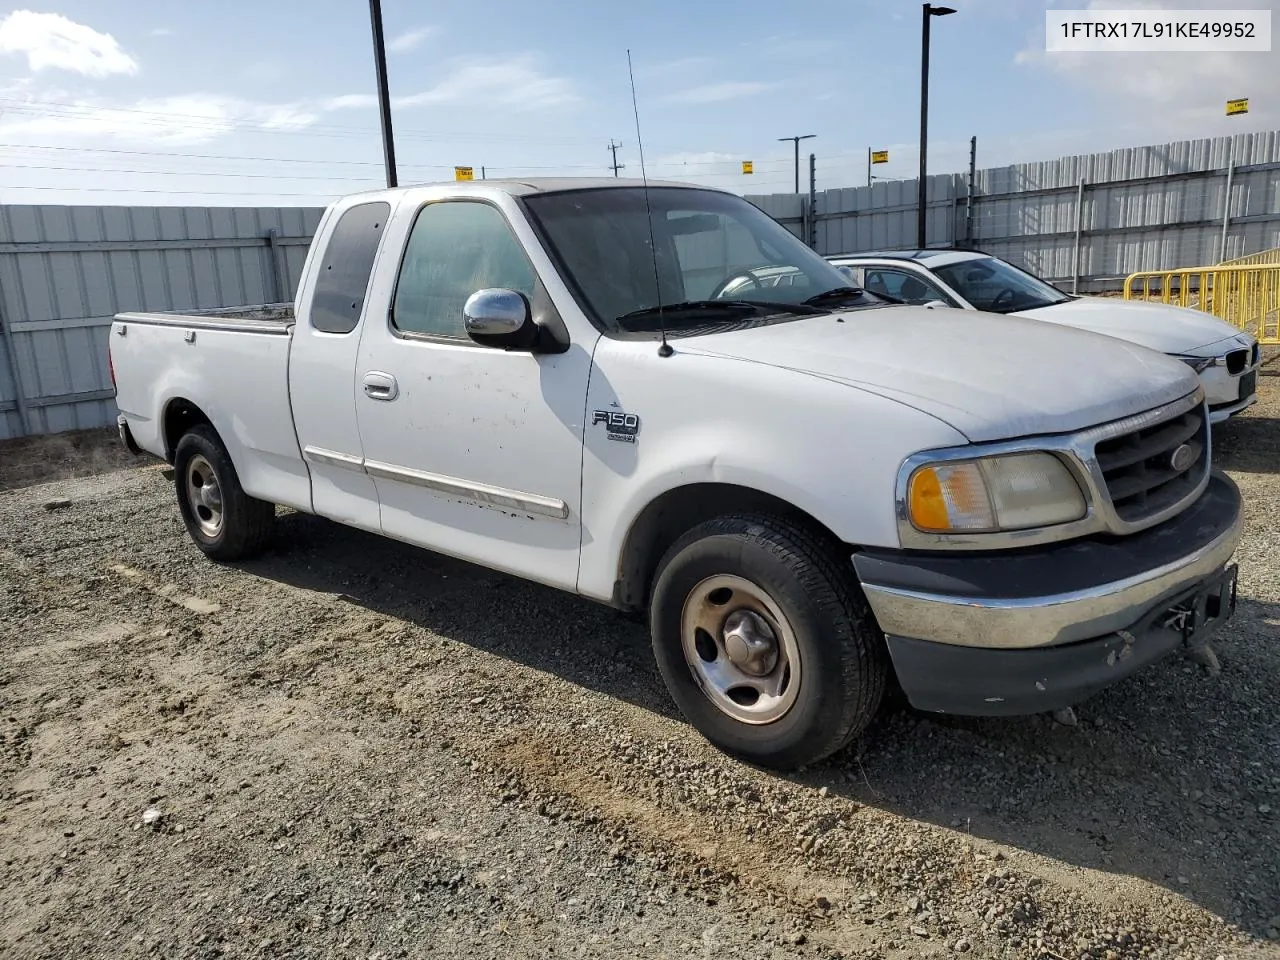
(224, 521)
(781, 582)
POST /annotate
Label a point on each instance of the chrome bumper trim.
(1023, 622)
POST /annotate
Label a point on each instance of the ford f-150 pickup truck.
(806, 489)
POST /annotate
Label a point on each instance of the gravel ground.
(351, 748)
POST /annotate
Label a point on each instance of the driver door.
(476, 452)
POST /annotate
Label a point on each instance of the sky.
(274, 101)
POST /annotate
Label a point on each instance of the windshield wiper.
(720, 306)
(833, 295)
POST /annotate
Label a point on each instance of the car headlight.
(1010, 492)
(1198, 364)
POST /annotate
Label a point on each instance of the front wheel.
(224, 521)
(765, 642)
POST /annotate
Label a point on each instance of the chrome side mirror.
(500, 318)
(938, 305)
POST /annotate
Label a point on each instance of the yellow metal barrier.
(1245, 295)
(1254, 259)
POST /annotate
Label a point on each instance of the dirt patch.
(352, 748)
(78, 453)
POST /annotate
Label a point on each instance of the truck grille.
(1147, 471)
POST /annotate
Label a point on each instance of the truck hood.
(992, 377)
(1159, 326)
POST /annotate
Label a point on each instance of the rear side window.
(345, 269)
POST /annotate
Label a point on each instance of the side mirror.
(500, 318)
(938, 305)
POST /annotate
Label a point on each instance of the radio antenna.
(665, 349)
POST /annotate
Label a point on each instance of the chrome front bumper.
(1053, 595)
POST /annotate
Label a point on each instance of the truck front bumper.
(1037, 629)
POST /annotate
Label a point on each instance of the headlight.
(1198, 364)
(1009, 492)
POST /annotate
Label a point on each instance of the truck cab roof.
(526, 186)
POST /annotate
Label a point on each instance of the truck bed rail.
(268, 318)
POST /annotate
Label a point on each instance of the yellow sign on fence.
(748, 166)
(463, 173)
(1237, 106)
(879, 156)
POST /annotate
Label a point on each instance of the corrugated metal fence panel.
(1144, 208)
(66, 271)
(883, 216)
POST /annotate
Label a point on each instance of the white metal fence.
(65, 271)
(1087, 220)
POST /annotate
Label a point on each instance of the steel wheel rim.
(204, 496)
(741, 649)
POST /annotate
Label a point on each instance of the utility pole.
(384, 98)
(968, 196)
(796, 141)
(928, 10)
(482, 176)
(613, 149)
(813, 203)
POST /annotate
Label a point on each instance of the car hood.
(992, 377)
(1159, 326)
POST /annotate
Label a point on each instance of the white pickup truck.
(807, 490)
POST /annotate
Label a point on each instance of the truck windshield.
(999, 287)
(709, 246)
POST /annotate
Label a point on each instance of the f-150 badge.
(622, 427)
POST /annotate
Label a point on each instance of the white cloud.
(719, 92)
(680, 65)
(410, 39)
(1165, 94)
(51, 40)
(159, 32)
(350, 101)
(186, 119)
(513, 83)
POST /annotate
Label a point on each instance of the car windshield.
(706, 246)
(991, 284)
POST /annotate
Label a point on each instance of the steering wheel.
(748, 274)
(1003, 299)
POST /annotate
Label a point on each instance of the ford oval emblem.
(1182, 458)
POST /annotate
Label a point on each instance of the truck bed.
(230, 364)
(268, 318)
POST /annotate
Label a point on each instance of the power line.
(79, 111)
(189, 173)
(175, 193)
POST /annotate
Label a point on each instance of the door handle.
(380, 386)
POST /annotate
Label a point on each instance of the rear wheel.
(765, 642)
(224, 521)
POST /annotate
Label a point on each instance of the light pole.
(384, 99)
(796, 141)
(928, 10)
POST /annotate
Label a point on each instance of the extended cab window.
(344, 270)
(456, 248)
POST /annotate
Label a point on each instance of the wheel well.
(180, 415)
(676, 511)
